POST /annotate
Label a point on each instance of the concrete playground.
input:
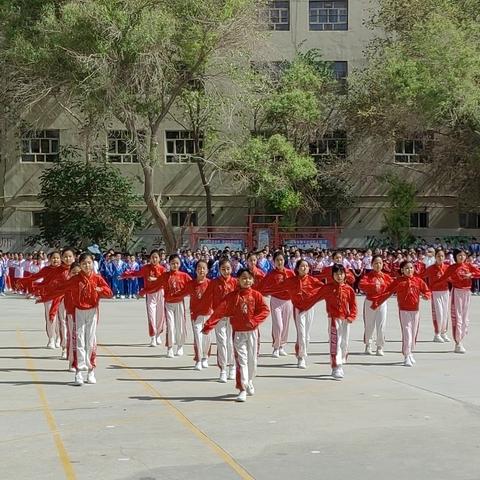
(150, 417)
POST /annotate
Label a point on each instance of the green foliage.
(274, 171)
(85, 203)
(396, 219)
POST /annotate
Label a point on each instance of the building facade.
(337, 28)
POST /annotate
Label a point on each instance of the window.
(330, 218)
(40, 145)
(470, 220)
(340, 70)
(328, 16)
(419, 220)
(184, 219)
(332, 144)
(279, 15)
(37, 219)
(121, 147)
(413, 150)
(180, 146)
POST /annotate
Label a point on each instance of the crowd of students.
(231, 293)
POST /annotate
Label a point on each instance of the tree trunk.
(158, 214)
(208, 193)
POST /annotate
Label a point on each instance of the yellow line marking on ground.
(52, 424)
(224, 455)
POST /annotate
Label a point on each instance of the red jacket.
(146, 272)
(258, 275)
(245, 307)
(172, 283)
(83, 290)
(326, 274)
(200, 304)
(374, 283)
(272, 281)
(340, 301)
(432, 274)
(219, 288)
(408, 290)
(460, 275)
(301, 290)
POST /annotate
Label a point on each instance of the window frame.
(273, 6)
(128, 153)
(414, 157)
(328, 139)
(328, 7)
(464, 220)
(39, 136)
(183, 213)
(186, 156)
(418, 216)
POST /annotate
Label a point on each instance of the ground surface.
(150, 417)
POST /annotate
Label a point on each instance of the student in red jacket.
(460, 275)
(301, 289)
(200, 310)
(280, 304)
(173, 282)
(154, 299)
(440, 296)
(326, 273)
(341, 307)
(409, 289)
(86, 290)
(218, 289)
(257, 273)
(374, 283)
(246, 309)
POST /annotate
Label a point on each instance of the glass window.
(121, 146)
(40, 145)
(183, 219)
(331, 145)
(419, 220)
(180, 146)
(278, 15)
(328, 15)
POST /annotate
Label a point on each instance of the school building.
(335, 27)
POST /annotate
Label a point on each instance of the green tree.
(85, 203)
(128, 58)
(402, 203)
(422, 74)
(292, 106)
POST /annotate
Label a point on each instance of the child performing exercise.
(246, 310)
(409, 289)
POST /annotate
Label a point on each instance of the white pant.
(303, 322)
(459, 312)
(409, 322)
(245, 344)
(223, 333)
(374, 319)
(202, 342)
(51, 326)
(339, 333)
(70, 338)
(84, 334)
(176, 324)
(281, 311)
(62, 324)
(155, 313)
(440, 311)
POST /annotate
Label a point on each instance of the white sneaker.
(198, 366)
(51, 344)
(153, 342)
(63, 356)
(71, 369)
(282, 352)
(276, 353)
(170, 353)
(337, 373)
(204, 362)
(159, 340)
(57, 343)
(368, 349)
(380, 352)
(250, 390)
(179, 352)
(445, 337)
(78, 379)
(459, 348)
(242, 396)
(412, 359)
(91, 377)
(408, 361)
(437, 338)
(223, 376)
(232, 373)
(301, 363)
